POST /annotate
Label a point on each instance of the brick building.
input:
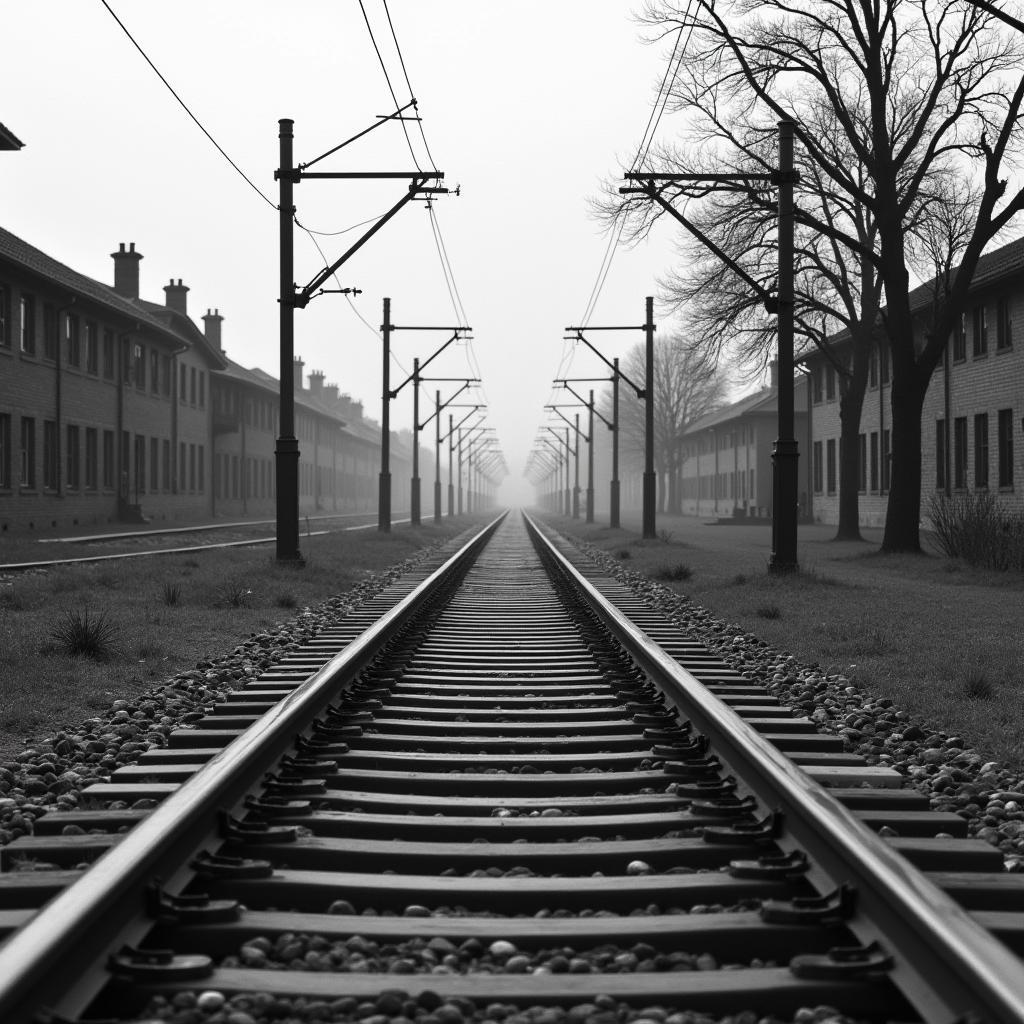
(114, 408)
(971, 414)
(727, 467)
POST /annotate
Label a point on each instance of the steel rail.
(947, 965)
(78, 926)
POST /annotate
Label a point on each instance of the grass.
(81, 634)
(944, 645)
(43, 686)
(673, 573)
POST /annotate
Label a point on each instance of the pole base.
(613, 515)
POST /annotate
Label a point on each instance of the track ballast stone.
(955, 777)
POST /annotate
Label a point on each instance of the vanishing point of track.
(508, 781)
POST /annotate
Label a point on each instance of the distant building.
(971, 414)
(115, 408)
(727, 465)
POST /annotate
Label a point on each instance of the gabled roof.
(8, 140)
(183, 324)
(761, 402)
(18, 252)
(1006, 261)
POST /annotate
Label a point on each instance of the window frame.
(981, 451)
(1004, 440)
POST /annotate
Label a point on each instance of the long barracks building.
(117, 409)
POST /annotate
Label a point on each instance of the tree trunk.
(903, 513)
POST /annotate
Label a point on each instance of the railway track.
(516, 793)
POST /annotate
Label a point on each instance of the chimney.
(211, 328)
(298, 366)
(316, 382)
(177, 296)
(126, 271)
(331, 392)
(773, 375)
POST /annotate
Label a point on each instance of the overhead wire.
(185, 107)
(387, 78)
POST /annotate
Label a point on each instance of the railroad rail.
(178, 550)
(518, 784)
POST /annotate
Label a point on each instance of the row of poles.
(476, 446)
(555, 457)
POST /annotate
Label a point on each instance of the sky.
(527, 106)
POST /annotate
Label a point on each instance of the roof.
(18, 251)
(182, 324)
(8, 140)
(761, 402)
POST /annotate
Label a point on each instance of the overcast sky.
(527, 105)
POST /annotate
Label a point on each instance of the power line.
(387, 78)
(184, 106)
(333, 234)
(412, 95)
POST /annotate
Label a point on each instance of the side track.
(508, 790)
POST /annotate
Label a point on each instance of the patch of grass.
(171, 593)
(236, 595)
(976, 685)
(81, 634)
(665, 536)
(148, 650)
(285, 601)
(190, 563)
(769, 611)
(12, 600)
(623, 554)
(674, 573)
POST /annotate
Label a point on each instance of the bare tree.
(924, 94)
(686, 387)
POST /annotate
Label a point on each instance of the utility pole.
(785, 452)
(292, 297)
(384, 489)
(437, 456)
(451, 443)
(613, 515)
(646, 394)
(650, 480)
(590, 460)
(576, 478)
(286, 452)
(414, 494)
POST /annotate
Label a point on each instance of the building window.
(27, 324)
(139, 366)
(862, 474)
(181, 386)
(108, 459)
(140, 463)
(165, 376)
(191, 467)
(166, 465)
(818, 478)
(71, 338)
(108, 355)
(201, 452)
(830, 383)
(873, 368)
(182, 449)
(192, 386)
(51, 331)
(92, 348)
(154, 464)
(5, 445)
(981, 450)
(74, 457)
(941, 441)
(1004, 326)
(51, 456)
(1005, 441)
(154, 371)
(830, 465)
(874, 460)
(886, 461)
(5, 316)
(960, 452)
(91, 470)
(980, 334)
(202, 390)
(960, 340)
(28, 451)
